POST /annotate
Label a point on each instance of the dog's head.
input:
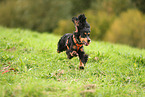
(83, 29)
(84, 36)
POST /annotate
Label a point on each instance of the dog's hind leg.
(69, 54)
(62, 43)
(61, 47)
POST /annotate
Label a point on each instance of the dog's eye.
(85, 35)
(88, 34)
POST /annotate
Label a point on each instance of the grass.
(30, 66)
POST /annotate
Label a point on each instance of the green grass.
(112, 70)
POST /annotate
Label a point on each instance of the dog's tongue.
(86, 44)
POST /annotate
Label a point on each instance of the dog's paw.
(74, 53)
(81, 67)
(58, 51)
(85, 58)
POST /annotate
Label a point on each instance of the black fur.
(62, 42)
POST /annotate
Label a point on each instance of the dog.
(73, 43)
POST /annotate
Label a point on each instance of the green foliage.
(129, 28)
(112, 6)
(38, 70)
(79, 6)
(41, 16)
(140, 4)
(64, 26)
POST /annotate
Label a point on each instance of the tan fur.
(74, 47)
(83, 39)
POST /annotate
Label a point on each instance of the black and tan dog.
(73, 43)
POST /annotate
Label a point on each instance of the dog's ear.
(82, 21)
(82, 18)
(74, 19)
(76, 23)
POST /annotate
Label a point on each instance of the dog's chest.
(71, 45)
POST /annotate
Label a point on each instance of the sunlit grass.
(36, 69)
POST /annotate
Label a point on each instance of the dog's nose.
(89, 40)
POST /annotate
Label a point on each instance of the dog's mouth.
(86, 43)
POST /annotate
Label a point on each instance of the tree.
(128, 28)
(140, 4)
(40, 15)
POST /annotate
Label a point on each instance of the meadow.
(31, 67)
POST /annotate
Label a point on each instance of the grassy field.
(30, 66)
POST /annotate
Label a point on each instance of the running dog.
(73, 43)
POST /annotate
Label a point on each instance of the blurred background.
(116, 21)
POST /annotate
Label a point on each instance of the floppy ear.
(76, 23)
(82, 21)
(74, 19)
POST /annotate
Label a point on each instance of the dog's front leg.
(82, 66)
(83, 58)
(71, 54)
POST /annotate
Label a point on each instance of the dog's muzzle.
(88, 42)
